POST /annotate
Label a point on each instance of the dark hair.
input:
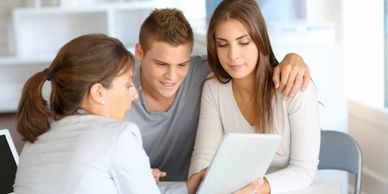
(165, 25)
(82, 62)
(248, 13)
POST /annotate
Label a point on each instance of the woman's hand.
(158, 174)
(259, 186)
(195, 179)
(291, 75)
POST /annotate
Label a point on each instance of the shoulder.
(310, 92)
(199, 65)
(213, 84)
(100, 127)
(306, 98)
(121, 128)
(212, 87)
(199, 59)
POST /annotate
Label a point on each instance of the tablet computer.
(8, 162)
(239, 160)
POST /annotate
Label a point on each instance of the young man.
(170, 82)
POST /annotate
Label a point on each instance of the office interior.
(342, 41)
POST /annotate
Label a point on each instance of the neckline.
(233, 98)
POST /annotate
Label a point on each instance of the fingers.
(157, 174)
(275, 77)
(252, 188)
(291, 75)
(296, 86)
(306, 79)
(284, 76)
(290, 83)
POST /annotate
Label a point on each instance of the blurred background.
(344, 42)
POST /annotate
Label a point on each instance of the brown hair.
(248, 13)
(165, 25)
(82, 62)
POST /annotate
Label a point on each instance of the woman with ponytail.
(78, 142)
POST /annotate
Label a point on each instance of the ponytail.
(33, 114)
(80, 63)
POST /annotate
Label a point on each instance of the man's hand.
(291, 75)
(158, 174)
(195, 179)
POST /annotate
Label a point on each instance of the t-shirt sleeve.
(201, 67)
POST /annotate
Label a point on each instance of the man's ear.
(97, 93)
(139, 51)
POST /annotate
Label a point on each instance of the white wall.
(360, 30)
(369, 126)
(326, 10)
(363, 39)
(5, 25)
(363, 34)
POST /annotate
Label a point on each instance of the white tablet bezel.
(239, 160)
(11, 145)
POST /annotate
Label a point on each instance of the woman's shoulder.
(100, 126)
(213, 82)
(307, 96)
(118, 126)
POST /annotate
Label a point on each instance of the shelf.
(39, 33)
(42, 31)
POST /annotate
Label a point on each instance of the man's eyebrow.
(162, 62)
(159, 61)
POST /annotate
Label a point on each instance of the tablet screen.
(239, 160)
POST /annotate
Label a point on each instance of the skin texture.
(112, 102)
(163, 69)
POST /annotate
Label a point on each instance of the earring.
(102, 102)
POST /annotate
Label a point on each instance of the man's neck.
(157, 103)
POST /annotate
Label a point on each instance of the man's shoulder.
(199, 68)
(199, 62)
(199, 57)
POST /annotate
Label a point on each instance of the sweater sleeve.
(303, 115)
(130, 166)
(131, 169)
(209, 133)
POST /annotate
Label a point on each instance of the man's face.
(163, 68)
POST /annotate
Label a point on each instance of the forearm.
(290, 179)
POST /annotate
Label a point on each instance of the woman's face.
(119, 96)
(236, 50)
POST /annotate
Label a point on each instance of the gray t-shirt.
(168, 137)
